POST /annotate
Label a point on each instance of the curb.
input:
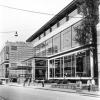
(68, 91)
(85, 94)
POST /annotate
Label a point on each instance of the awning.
(20, 68)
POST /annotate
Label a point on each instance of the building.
(10, 60)
(56, 53)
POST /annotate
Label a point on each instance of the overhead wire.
(31, 11)
(27, 10)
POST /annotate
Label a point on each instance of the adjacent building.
(10, 59)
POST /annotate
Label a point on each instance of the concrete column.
(91, 64)
(48, 69)
(33, 69)
(98, 52)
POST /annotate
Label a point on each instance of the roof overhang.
(57, 17)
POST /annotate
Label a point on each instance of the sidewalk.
(48, 87)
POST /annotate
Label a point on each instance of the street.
(26, 93)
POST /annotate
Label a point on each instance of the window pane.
(37, 51)
(56, 43)
(51, 66)
(66, 39)
(43, 49)
(74, 43)
(61, 73)
(83, 64)
(49, 47)
(57, 67)
(73, 65)
(67, 66)
(13, 47)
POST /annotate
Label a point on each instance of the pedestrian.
(93, 84)
(80, 84)
(43, 83)
(25, 81)
(89, 85)
(29, 81)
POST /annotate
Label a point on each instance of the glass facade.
(60, 42)
(59, 23)
(61, 64)
(74, 65)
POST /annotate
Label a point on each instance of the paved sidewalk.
(48, 87)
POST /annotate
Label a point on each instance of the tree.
(86, 33)
(87, 28)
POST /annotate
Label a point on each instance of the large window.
(49, 47)
(74, 43)
(37, 51)
(66, 39)
(75, 65)
(67, 66)
(43, 49)
(56, 43)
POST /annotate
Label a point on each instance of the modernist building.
(10, 59)
(56, 53)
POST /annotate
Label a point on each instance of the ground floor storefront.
(72, 65)
(76, 65)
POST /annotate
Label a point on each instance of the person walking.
(43, 83)
(29, 82)
(25, 81)
(89, 85)
(93, 84)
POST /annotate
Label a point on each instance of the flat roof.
(51, 22)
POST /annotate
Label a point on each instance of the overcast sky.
(25, 23)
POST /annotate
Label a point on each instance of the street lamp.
(16, 33)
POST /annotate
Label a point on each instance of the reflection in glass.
(43, 49)
(61, 67)
(57, 67)
(56, 43)
(67, 66)
(66, 39)
(74, 43)
(51, 66)
(49, 47)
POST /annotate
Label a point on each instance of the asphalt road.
(24, 93)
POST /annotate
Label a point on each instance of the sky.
(25, 23)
